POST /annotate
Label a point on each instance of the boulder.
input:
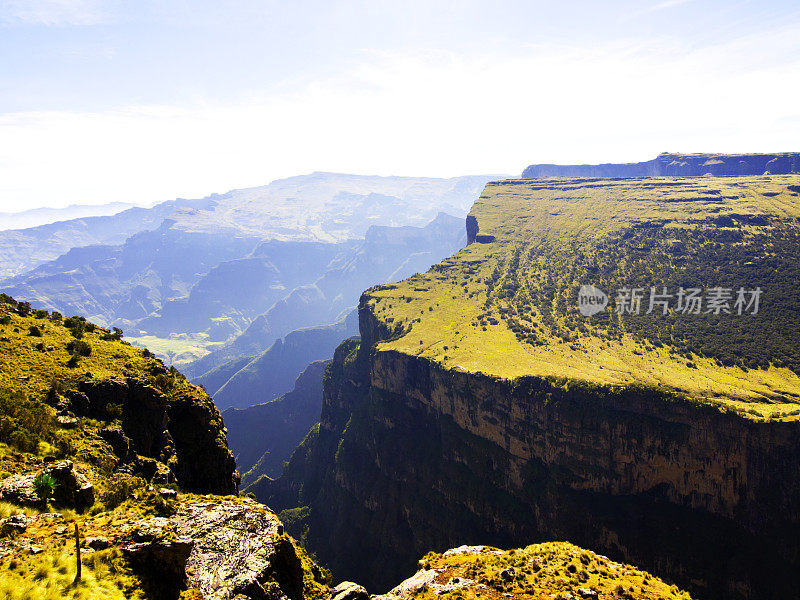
(97, 543)
(14, 524)
(347, 590)
(238, 551)
(120, 442)
(18, 489)
(72, 487)
(67, 422)
(167, 493)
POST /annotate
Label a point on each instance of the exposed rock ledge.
(225, 549)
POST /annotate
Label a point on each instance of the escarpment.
(481, 408)
(676, 164)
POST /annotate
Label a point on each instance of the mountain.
(42, 216)
(263, 436)
(188, 277)
(385, 254)
(682, 165)
(518, 390)
(121, 285)
(331, 207)
(24, 249)
(273, 372)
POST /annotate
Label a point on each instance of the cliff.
(481, 408)
(680, 165)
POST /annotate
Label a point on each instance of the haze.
(103, 101)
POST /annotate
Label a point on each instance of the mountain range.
(42, 216)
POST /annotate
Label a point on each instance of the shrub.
(79, 348)
(23, 309)
(114, 335)
(24, 422)
(119, 488)
(5, 320)
(35, 331)
(45, 485)
(76, 325)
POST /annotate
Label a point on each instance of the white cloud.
(669, 4)
(54, 12)
(424, 114)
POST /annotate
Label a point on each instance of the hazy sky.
(107, 100)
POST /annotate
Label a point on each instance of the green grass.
(508, 308)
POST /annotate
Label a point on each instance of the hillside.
(115, 405)
(481, 400)
(679, 165)
(551, 570)
(507, 304)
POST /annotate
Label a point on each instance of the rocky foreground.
(214, 548)
(221, 548)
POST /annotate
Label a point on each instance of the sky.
(108, 100)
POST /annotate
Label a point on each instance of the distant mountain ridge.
(680, 165)
(320, 207)
(44, 215)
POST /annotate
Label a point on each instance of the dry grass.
(457, 315)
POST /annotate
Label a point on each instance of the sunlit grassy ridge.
(507, 304)
(539, 571)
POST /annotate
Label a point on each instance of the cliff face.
(411, 457)
(419, 451)
(182, 430)
(682, 165)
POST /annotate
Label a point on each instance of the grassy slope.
(26, 376)
(508, 308)
(30, 371)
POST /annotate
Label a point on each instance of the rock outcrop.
(223, 549)
(674, 164)
(183, 431)
(72, 488)
(553, 570)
